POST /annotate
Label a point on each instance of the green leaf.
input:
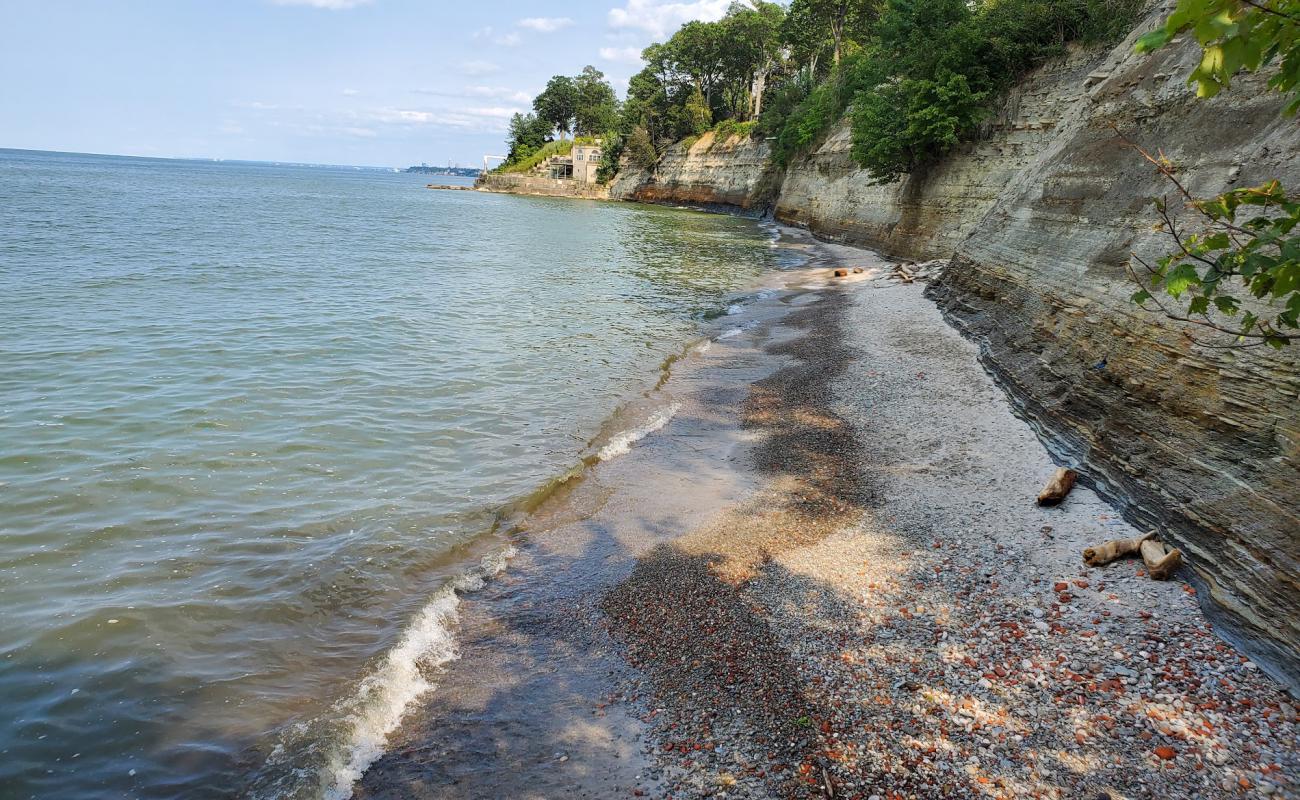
(1182, 278)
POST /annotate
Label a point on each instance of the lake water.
(261, 427)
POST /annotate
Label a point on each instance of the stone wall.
(527, 183)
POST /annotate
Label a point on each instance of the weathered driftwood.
(1103, 554)
(1058, 487)
(904, 274)
(1162, 561)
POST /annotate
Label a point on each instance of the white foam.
(730, 333)
(621, 443)
(381, 700)
(734, 309)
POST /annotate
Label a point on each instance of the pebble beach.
(874, 608)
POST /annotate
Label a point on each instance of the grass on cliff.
(556, 148)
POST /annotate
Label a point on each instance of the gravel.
(892, 616)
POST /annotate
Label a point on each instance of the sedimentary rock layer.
(708, 173)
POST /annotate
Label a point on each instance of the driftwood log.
(1103, 554)
(1162, 561)
(1058, 487)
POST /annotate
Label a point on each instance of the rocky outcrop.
(930, 213)
(732, 174)
(1039, 217)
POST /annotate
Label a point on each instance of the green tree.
(913, 122)
(557, 105)
(754, 34)
(698, 116)
(527, 135)
(696, 52)
(640, 148)
(596, 111)
(840, 19)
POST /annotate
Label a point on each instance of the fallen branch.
(1058, 487)
(1103, 554)
(1162, 561)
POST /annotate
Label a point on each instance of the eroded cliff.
(1039, 218)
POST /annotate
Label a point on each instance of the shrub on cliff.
(944, 61)
(898, 127)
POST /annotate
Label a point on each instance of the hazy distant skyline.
(366, 82)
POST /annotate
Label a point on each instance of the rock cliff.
(1039, 218)
(733, 174)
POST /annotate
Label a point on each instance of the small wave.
(734, 309)
(730, 333)
(379, 703)
(621, 443)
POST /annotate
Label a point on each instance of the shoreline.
(825, 576)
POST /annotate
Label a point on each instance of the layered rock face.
(928, 215)
(1040, 217)
(1202, 442)
(734, 174)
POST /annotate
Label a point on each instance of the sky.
(362, 82)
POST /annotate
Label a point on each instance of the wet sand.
(826, 577)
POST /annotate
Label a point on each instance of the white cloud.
(631, 55)
(485, 118)
(505, 39)
(545, 24)
(333, 5)
(479, 67)
(659, 19)
(350, 92)
(499, 93)
(490, 92)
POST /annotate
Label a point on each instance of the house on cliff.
(580, 165)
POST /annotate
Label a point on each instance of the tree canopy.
(917, 76)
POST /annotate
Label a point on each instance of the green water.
(254, 420)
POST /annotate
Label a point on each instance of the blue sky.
(374, 82)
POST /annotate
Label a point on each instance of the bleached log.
(1058, 487)
(1103, 554)
(1162, 561)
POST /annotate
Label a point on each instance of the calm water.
(257, 421)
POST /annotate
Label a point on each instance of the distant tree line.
(916, 76)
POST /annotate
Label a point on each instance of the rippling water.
(256, 421)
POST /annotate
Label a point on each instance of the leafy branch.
(1246, 244)
(1236, 35)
